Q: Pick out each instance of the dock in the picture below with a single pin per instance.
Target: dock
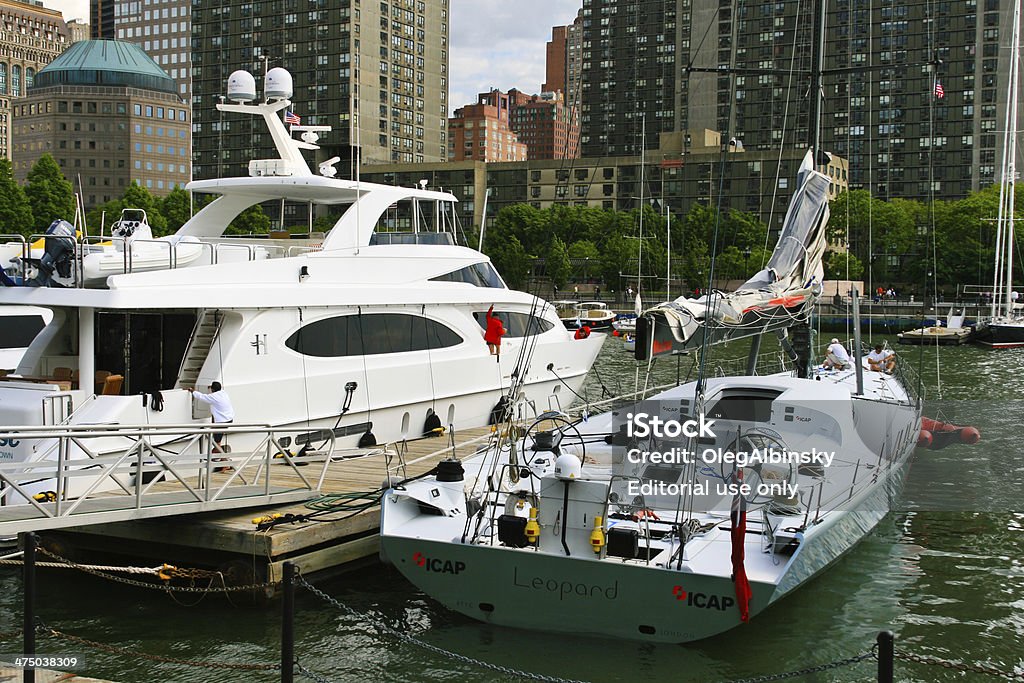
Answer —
(12, 673)
(230, 541)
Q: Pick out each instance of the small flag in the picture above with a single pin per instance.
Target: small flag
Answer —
(939, 91)
(292, 118)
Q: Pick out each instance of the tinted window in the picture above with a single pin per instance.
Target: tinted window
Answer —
(18, 331)
(478, 275)
(371, 334)
(517, 324)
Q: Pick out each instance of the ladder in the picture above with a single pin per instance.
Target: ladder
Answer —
(203, 335)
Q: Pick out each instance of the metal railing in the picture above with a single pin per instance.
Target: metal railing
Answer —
(106, 472)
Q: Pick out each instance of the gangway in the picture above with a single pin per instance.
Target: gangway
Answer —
(161, 470)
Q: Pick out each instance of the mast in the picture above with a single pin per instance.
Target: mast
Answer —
(640, 253)
(1011, 154)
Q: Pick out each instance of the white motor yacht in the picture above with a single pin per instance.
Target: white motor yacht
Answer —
(365, 334)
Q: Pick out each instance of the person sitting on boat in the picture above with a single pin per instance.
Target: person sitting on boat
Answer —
(221, 411)
(882, 360)
(495, 330)
(836, 357)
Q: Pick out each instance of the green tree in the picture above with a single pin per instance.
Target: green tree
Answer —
(842, 265)
(176, 208)
(15, 211)
(49, 193)
(252, 221)
(511, 260)
(557, 264)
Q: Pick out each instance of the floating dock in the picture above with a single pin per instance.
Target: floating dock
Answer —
(231, 542)
(12, 673)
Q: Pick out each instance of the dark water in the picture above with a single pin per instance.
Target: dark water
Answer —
(944, 572)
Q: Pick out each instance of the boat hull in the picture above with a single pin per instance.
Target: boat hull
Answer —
(1000, 335)
(571, 595)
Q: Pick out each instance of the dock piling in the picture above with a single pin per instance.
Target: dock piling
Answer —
(288, 625)
(29, 586)
(885, 642)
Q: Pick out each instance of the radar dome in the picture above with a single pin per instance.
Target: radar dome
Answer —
(241, 87)
(277, 84)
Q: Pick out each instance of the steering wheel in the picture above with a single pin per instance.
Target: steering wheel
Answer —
(555, 436)
(754, 475)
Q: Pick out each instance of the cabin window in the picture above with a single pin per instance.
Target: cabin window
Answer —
(20, 330)
(517, 324)
(371, 334)
(478, 275)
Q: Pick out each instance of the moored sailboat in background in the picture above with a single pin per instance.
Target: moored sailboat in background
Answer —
(1004, 328)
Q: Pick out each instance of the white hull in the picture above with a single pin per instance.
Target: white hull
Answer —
(561, 585)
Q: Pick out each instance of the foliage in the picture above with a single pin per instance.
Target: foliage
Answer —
(252, 221)
(176, 208)
(15, 212)
(511, 260)
(841, 265)
(50, 195)
(557, 263)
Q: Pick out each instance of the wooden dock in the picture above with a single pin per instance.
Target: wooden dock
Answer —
(14, 674)
(230, 541)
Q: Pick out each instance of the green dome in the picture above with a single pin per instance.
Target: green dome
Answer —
(105, 62)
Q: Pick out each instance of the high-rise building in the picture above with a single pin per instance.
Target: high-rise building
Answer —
(482, 131)
(30, 38)
(544, 124)
(554, 61)
(109, 115)
(881, 107)
(160, 27)
(376, 72)
(77, 30)
(101, 19)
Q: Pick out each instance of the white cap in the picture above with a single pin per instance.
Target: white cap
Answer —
(834, 340)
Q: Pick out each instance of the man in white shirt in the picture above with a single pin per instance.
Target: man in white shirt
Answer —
(881, 360)
(220, 409)
(836, 356)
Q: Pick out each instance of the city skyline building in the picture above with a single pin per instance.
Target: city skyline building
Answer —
(483, 132)
(544, 124)
(109, 115)
(377, 73)
(31, 36)
(664, 62)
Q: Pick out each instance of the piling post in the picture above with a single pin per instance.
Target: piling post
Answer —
(288, 625)
(28, 602)
(885, 642)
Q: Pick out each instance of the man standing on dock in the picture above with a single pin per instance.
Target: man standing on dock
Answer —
(220, 409)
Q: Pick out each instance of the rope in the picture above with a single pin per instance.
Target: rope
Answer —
(97, 567)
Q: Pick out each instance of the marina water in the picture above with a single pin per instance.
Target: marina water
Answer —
(944, 572)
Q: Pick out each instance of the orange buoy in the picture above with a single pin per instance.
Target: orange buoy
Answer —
(970, 435)
(924, 439)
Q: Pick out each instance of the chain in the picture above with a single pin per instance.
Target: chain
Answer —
(156, 658)
(172, 572)
(406, 638)
(849, 661)
(311, 674)
(958, 666)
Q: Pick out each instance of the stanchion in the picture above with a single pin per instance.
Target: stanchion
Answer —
(885, 656)
(287, 625)
(29, 605)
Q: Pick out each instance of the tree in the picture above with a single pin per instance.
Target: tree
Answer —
(511, 260)
(49, 193)
(558, 267)
(842, 265)
(176, 208)
(15, 211)
(250, 222)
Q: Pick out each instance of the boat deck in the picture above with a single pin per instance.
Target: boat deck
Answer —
(223, 539)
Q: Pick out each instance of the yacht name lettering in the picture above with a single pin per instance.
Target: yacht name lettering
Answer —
(643, 425)
(703, 600)
(564, 588)
(437, 565)
(12, 442)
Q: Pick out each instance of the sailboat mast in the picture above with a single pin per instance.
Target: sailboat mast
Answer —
(818, 52)
(640, 253)
(1011, 155)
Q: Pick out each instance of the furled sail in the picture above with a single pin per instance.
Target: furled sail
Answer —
(778, 296)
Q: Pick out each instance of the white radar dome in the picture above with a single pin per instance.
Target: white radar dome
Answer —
(277, 84)
(241, 87)
(568, 466)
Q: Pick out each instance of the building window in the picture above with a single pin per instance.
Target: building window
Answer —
(3, 79)
(16, 80)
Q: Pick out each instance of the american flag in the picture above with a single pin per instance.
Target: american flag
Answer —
(292, 118)
(939, 92)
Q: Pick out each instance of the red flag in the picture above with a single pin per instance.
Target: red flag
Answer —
(738, 516)
(939, 91)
